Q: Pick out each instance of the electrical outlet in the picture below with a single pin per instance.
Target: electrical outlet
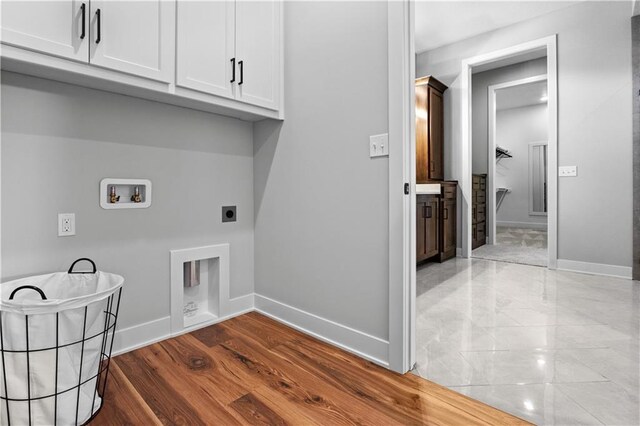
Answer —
(66, 224)
(379, 145)
(228, 213)
(568, 171)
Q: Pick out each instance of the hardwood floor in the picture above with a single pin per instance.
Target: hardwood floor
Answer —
(253, 370)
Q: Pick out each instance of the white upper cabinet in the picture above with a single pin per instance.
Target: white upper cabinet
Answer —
(206, 46)
(258, 52)
(231, 49)
(135, 37)
(220, 56)
(52, 27)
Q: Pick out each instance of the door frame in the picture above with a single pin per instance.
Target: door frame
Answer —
(465, 153)
(491, 147)
(402, 171)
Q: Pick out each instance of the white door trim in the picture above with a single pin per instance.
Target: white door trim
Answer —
(402, 225)
(465, 159)
(491, 147)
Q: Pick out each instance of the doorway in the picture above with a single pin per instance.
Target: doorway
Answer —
(545, 47)
(511, 224)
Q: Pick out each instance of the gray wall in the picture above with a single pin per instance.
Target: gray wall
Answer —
(480, 121)
(594, 118)
(516, 128)
(321, 204)
(59, 141)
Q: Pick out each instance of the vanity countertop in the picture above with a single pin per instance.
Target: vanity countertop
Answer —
(428, 189)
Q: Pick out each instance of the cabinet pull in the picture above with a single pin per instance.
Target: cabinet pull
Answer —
(446, 214)
(424, 212)
(98, 38)
(429, 212)
(241, 65)
(233, 70)
(83, 9)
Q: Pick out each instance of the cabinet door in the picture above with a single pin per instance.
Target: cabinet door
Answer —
(53, 27)
(448, 226)
(422, 134)
(420, 230)
(436, 135)
(136, 37)
(258, 52)
(432, 246)
(206, 46)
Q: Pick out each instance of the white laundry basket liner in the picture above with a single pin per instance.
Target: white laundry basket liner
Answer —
(56, 337)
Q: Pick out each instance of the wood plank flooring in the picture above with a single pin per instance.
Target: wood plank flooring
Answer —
(254, 370)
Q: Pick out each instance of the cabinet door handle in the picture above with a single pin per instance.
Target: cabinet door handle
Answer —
(233, 70)
(446, 214)
(424, 212)
(83, 9)
(429, 212)
(241, 65)
(98, 22)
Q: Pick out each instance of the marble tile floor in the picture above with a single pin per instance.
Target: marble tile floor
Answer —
(516, 245)
(521, 237)
(551, 347)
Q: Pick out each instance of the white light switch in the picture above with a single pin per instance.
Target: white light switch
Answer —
(379, 145)
(568, 171)
(66, 224)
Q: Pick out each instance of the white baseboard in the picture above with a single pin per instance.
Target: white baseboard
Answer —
(527, 225)
(595, 268)
(138, 336)
(239, 304)
(362, 344)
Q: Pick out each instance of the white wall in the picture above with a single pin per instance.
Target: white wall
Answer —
(594, 116)
(321, 204)
(516, 128)
(480, 120)
(59, 141)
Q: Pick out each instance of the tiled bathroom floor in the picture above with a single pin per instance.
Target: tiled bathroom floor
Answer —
(516, 245)
(551, 347)
(521, 237)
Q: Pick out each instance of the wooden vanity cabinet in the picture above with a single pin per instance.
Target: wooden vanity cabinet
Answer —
(436, 224)
(429, 129)
(427, 226)
(448, 219)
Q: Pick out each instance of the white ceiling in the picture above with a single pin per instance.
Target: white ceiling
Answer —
(439, 23)
(523, 95)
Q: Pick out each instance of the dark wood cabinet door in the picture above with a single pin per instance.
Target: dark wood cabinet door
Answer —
(448, 228)
(432, 246)
(421, 233)
(436, 135)
(479, 206)
(422, 134)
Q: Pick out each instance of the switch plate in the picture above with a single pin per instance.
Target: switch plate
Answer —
(568, 171)
(66, 224)
(379, 145)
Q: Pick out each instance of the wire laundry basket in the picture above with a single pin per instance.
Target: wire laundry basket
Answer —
(56, 338)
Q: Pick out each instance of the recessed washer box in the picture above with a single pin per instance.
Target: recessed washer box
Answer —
(125, 192)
